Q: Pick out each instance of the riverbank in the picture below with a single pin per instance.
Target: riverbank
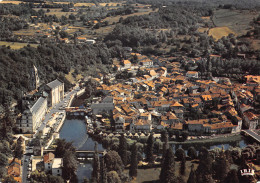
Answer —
(221, 139)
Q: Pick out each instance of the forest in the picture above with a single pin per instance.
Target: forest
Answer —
(52, 61)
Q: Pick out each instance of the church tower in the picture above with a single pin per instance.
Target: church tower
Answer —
(34, 78)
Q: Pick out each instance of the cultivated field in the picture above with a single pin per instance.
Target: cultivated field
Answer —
(141, 12)
(236, 20)
(219, 32)
(16, 45)
(11, 2)
(203, 29)
(59, 13)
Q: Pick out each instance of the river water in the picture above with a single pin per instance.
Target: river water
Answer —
(74, 131)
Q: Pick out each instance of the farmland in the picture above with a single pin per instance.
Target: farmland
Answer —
(16, 45)
(219, 32)
(236, 20)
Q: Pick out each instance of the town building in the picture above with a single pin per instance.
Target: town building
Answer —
(32, 117)
(55, 90)
(52, 165)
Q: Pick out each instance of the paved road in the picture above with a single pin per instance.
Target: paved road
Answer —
(55, 109)
(48, 116)
(26, 161)
(253, 134)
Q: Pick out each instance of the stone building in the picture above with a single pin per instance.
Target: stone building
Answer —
(55, 90)
(32, 116)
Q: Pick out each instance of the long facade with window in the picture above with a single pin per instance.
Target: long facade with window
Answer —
(32, 117)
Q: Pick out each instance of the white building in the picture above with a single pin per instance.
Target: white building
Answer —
(192, 74)
(57, 167)
(33, 116)
(52, 164)
(55, 90)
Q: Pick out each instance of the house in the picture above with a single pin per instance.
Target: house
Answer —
(55, 90)
(48, 161)
(90, 41)
(52, 164)
(14, 169)
(192, 74)
(32, 117)
(81, 39)
(146, 63)
(119, 122)
(102, 107)
(251, 120)
(57, 167)
(127, 64)
(141, 126)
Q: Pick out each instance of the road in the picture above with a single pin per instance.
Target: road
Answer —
(25, 167)
(48, 116)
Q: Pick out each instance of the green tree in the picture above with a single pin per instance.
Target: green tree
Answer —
(103, 171)
(134, 161)
(192, 176)
(113, 177)
(113, 162)
(221, 167)
(63, 147)
(204, 170)
(165, 145)
(232, 177)
(183, 166)
(167, 174)
(70, 165)
(180, 154)
(149, 149)
(96, 166)
(192, 153)
(18, 151)
(3, 160)
(122, 151)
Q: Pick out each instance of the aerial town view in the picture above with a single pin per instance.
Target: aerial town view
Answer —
(134, 91)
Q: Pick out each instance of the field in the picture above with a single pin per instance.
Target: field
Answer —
(203, 29)
(72, 79)
(141, 12)
(12, 2)
(16, 45)
(236, 20)
(256, 44)
(219, 32)
(59, 13)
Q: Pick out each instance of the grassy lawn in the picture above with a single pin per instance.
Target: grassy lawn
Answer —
(16, 45)
(152, 174)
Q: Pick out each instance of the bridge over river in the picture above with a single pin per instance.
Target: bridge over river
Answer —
(80, 153)
(251, 134)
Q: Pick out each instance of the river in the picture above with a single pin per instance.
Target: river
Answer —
(75, 131)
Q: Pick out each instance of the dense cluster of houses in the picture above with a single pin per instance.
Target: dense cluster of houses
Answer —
(166, 96)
